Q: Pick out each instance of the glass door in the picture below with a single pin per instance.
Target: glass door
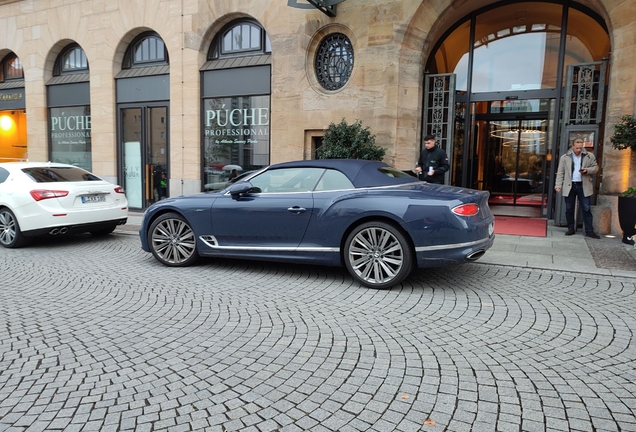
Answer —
(144, 154)
(516, 164)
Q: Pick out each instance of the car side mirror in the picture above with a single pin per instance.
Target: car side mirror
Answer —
(242, 188)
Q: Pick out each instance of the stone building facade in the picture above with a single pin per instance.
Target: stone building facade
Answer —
(397, 46)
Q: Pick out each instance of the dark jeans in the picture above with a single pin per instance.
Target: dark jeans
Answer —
(584, 202)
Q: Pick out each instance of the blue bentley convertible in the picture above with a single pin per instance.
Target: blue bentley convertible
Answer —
(374, 219)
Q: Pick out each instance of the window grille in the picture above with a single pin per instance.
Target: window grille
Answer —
(334, 61)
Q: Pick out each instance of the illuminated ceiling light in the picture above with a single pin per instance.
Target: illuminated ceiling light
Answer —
(526, 135)
(6, 123)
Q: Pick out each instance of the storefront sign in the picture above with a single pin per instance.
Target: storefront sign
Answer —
(236, 130)
(71, 135)
(71, 122)
(70, 126)
(10, 97)
(237, 125)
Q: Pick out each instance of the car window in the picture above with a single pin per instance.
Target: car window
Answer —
(334, 180)
(241, 177)
(287, 180)
(59, 174)
(394, 173)
(4, 174)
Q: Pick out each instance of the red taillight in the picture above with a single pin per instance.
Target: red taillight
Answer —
(42, 194)
(119, 189)
(466, 210)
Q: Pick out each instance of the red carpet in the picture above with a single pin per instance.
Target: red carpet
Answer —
(531, 227)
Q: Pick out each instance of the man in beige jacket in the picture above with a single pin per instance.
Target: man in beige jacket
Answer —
(574, 177)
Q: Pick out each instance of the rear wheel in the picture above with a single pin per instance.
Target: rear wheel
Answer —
(378, 255)
(10, 234)
(172, 241)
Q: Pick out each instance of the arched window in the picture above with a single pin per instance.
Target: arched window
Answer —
(147, 49)
(71, 60)
(11, 68)
(516, 46)
(240, 39)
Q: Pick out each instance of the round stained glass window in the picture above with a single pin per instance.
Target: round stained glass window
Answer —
(334, 61)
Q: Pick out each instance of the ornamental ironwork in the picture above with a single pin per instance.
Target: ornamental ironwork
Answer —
(334, 61)
(438, 108)
(438, 118)
(439, 105)
(585, 92)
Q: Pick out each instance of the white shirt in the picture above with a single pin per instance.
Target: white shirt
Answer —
(576, 175)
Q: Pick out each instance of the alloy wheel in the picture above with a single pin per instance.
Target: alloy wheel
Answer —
(378, 255)
(8, 228)
(173, 242)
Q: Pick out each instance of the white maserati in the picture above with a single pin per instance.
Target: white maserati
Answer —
(45, 198)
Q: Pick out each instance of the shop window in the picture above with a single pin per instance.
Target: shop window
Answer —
(70, 129)
(236, 133)
(11, 68)
(240, 39)
(334, 61)
(147, 49)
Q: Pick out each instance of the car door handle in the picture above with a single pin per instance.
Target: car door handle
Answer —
(297, 210)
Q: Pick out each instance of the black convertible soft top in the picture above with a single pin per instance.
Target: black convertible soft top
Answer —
(362, 173)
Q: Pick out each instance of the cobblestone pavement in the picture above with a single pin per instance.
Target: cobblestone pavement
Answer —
(96, 335)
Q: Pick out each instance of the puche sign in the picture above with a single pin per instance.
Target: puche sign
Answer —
(236, 125)
(71, 136)
(71, 129)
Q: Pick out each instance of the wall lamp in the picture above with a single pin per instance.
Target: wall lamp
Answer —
(6, 123)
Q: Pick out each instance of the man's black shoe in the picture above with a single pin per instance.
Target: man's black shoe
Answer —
(592, 234)
(569, 232)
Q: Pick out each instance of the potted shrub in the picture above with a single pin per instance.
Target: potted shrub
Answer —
(624, 137)
(349, 141)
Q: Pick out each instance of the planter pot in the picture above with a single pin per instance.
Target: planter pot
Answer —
(627, 217)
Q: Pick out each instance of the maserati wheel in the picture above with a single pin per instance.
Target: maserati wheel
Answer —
(378, 255)
(10, 234)
(172, 241)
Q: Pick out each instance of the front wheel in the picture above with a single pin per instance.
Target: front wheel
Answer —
(378, 255)
(10, 234)
(172, 241)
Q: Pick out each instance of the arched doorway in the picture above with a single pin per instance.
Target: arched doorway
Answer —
(495, 87)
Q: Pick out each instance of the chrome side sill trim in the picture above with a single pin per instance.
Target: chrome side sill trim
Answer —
(211, 242)
(450, 246)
